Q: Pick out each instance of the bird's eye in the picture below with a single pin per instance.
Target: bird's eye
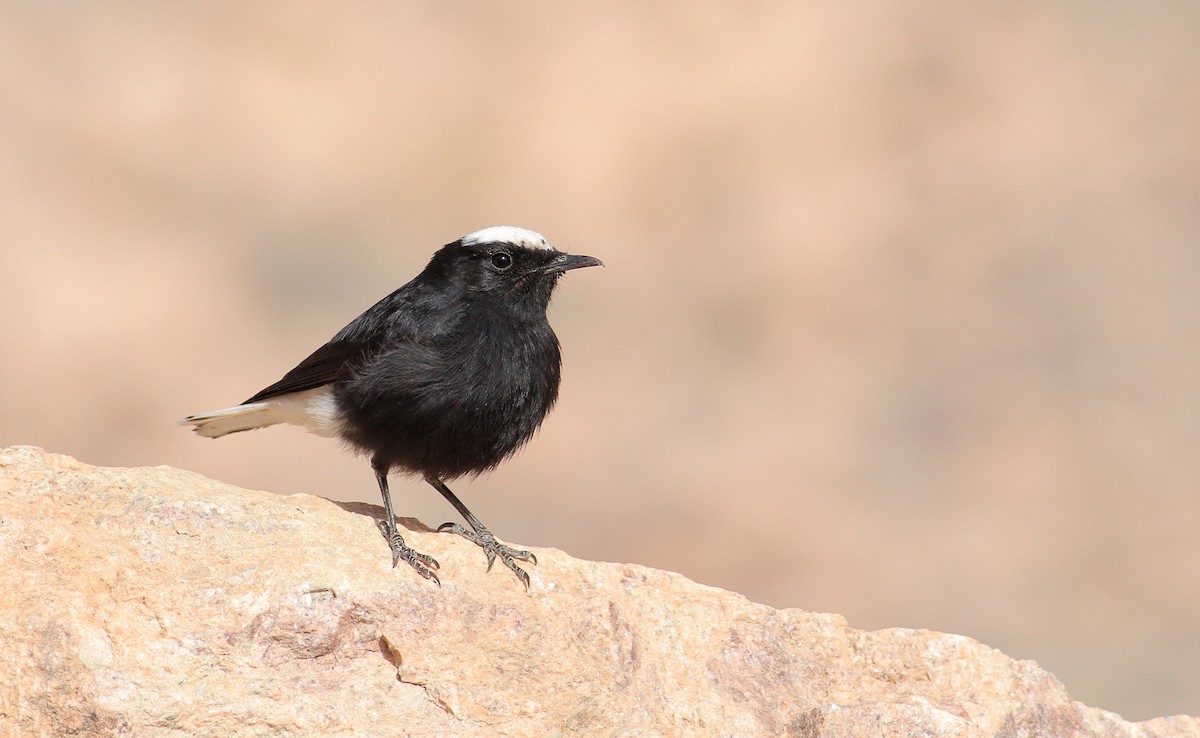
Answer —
(502, 260)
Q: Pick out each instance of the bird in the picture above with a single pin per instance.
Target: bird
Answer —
(446, 377)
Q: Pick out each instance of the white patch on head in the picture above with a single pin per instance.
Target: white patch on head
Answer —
(519, 237)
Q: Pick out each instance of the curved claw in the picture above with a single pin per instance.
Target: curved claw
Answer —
(424, 564)
(494, 549)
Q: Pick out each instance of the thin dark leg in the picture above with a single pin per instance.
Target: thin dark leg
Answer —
(482, 537)
(423, 563)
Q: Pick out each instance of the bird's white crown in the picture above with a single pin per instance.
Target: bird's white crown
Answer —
(519, 237)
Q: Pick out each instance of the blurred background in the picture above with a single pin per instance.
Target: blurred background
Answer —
(901, 317)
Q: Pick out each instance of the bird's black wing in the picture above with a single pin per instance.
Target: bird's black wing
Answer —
(322, 366)
(391, 321)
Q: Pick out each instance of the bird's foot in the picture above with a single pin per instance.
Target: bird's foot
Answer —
(423, 563)
(494, 549)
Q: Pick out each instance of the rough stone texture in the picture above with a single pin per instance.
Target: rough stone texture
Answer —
(156, 602)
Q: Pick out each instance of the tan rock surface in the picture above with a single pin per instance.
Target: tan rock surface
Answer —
(156, 602)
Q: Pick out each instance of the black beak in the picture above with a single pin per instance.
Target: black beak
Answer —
(572, 261)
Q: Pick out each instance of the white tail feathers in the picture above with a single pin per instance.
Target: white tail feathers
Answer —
(313, 410)
(231, 420)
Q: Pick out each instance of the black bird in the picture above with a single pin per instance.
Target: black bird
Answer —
(447, 376)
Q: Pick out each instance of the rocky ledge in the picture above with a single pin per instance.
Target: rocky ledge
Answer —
(156, 602)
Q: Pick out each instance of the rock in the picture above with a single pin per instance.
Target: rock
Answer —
(155, 602)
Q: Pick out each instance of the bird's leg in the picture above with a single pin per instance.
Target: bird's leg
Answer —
(423, 563)
(482, 536)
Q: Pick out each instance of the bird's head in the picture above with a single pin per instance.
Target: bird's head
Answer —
(513, 264)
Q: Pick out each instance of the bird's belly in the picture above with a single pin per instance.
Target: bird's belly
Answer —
(452, 418)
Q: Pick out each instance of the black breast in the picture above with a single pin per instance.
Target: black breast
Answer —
(455, 404)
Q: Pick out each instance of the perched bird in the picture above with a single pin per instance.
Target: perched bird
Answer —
(447, 376)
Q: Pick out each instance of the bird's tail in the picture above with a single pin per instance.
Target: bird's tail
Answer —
(314, 410)
(233, 419)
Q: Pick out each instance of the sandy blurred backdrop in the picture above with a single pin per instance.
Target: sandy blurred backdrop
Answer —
(901, 318)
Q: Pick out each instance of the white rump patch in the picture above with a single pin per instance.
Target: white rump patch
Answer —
(519, 237)
(314, 410)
